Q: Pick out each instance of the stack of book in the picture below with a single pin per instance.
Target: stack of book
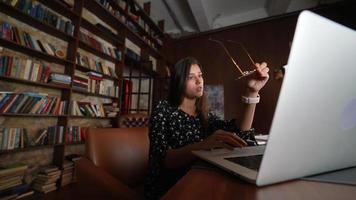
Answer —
(36, 10)
(12, 33)
(13, 138)
(46, 180)
(111, 109)
(108, 88)
(31, 103)
(98, 85)
(73, 158)
(67, 172)
(81, 81)
(87, 109)
(11, 184)
(12, 175)
(95, 83)
(25, 69)
(60, 79)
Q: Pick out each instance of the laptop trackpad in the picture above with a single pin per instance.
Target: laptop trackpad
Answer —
(251, 162)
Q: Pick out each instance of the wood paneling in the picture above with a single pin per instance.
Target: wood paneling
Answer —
(266, 40)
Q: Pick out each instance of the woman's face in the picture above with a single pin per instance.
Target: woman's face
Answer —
(195, 82)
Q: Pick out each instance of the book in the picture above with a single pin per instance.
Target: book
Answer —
(25, 194)
(13, 169)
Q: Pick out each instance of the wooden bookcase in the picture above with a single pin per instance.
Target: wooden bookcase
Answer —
(150, 43)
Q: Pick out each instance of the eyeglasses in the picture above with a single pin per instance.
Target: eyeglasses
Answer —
(243, 73)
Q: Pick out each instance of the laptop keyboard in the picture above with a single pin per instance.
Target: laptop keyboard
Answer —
(251, 162)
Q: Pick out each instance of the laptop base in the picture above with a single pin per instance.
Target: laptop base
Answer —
(344, 176)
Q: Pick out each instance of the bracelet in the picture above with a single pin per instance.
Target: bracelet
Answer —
(250, 100)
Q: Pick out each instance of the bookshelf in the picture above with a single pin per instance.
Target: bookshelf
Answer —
(87, 61)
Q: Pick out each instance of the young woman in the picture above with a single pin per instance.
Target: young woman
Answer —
(183, 123)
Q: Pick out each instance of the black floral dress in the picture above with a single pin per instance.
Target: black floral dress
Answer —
(172, 128)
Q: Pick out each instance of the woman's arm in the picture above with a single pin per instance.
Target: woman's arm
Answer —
(248, 113)
(254, 85)
(180, 157)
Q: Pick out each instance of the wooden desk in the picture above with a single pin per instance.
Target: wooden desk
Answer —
(205, 184)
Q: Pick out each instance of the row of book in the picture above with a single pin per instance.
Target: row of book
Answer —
(87, 109)
(95, 64)
(93, 42)
(94, 83)
(28, 69)
(23, 68)
(13, 138)
(131, 10)
(135, 16)
(54, 135)
(12, 33)
(51, 135)
(132, 55)
(68, 3)
(12, 185)
(38, 11)
(31, 103)
(75, 134)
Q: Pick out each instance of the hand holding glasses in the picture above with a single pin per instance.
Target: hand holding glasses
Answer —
(243, 73)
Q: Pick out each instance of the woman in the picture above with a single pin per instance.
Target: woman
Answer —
(182, 124)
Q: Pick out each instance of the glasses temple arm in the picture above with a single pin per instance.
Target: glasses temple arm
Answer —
(227, 52)
(243, 47)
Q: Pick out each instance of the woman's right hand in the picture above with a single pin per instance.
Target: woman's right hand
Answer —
(222, 139)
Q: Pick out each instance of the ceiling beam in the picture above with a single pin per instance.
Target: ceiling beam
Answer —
(173, 15)
(276, 7)
(199, 13)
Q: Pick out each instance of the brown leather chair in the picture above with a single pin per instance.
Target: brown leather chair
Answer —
(115, 163)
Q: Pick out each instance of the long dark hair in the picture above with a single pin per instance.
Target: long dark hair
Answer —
(179, 76)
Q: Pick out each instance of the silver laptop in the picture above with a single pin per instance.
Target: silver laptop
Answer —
(314, 125)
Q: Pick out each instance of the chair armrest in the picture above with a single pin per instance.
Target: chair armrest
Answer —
(91, 176)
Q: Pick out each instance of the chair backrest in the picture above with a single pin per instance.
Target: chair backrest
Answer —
(122, 152)
(134, 120)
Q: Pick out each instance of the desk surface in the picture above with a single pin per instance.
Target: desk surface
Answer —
(216, 184)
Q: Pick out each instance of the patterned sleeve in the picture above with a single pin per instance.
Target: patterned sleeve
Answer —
(158, 131)
(158, 147)
(215, 123)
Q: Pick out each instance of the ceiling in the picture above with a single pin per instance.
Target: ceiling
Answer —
(184, 17)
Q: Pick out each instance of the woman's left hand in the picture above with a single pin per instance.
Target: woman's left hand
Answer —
(258, 80)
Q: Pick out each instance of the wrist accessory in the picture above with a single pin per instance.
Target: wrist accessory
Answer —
(250, 100)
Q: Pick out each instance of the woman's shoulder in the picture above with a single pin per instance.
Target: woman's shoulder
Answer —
(163, 106)
(162, 103)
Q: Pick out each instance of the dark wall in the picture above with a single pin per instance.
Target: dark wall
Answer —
(266, 40)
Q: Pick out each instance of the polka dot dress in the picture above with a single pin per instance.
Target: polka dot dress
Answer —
(172, 128)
